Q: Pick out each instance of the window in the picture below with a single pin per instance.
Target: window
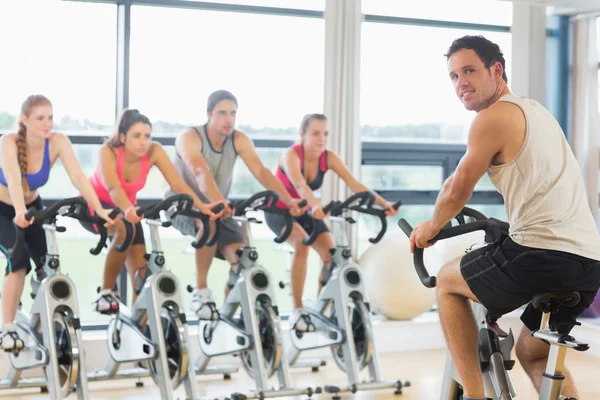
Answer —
(402, 177)
(493, 12)
(318, 5)
(406, 94)
(70, 58)
(272, 64)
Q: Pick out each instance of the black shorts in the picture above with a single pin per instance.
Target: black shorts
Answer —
(138, 236)
(35, 239)
(277, 222)
(505, 275)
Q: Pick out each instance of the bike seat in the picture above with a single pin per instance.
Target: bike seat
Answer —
(548, 302)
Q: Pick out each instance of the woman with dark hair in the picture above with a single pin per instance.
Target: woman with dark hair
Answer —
(26, 158)
(301, 170)
(125, 161)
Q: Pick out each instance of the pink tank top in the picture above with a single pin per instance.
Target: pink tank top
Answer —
(131, 188)
(314, 185)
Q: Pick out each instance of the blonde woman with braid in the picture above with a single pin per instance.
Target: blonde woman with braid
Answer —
(26, 158)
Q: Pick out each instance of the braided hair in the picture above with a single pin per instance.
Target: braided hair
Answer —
(28, 105)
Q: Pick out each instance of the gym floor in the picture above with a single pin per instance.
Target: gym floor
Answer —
(424, 369)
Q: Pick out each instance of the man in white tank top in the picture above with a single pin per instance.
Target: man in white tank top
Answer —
(553, 244)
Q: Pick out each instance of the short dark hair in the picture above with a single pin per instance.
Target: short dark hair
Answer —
(488, 51)
(310, 117)
(218, 96)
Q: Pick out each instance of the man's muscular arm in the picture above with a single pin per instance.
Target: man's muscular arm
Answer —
(489, 133)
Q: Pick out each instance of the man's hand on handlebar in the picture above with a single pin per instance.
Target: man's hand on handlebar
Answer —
(422, 234)
(227, 211)
(207, 209)
(296, 209)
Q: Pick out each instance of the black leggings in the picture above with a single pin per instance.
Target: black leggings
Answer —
(35, 239)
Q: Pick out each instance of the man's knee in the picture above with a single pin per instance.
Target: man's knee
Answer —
(450, 281)
(529, 349)
(448, 276)
(231, 252)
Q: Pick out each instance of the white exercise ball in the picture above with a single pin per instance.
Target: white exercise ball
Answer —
(392, 284)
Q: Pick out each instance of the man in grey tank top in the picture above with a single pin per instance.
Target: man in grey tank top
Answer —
(553, 244)
(205, 158)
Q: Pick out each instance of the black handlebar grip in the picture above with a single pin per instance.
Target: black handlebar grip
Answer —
(491, 229)
(201, 241)
(289, 222)
(122, 247)
(268, 197)
(19, 242)
(218, 208)
(102, 231)
(213, 239)
(427, 280)
(330, 206)
(469, 212)
(383, 219)
(29, 214)
(289, 226)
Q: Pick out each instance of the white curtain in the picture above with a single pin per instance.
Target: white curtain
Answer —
(585, 120)
(342, 93)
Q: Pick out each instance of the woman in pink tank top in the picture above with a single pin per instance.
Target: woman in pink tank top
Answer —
(125, 161)
(301, 170)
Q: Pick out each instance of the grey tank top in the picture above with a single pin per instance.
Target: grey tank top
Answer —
(220, 164)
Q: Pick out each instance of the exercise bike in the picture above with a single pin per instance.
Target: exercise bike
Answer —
(341, 312)
(494, 351)
(255, 333)
(51, 333)
(154, 330)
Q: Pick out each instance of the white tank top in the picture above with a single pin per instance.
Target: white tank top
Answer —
(543, 189)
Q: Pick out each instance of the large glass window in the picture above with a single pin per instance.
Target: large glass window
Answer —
(273, 64)
(70, 58)
(406, 94)
(244, 183)
(317, 5)
(402, 177)
(493, 12)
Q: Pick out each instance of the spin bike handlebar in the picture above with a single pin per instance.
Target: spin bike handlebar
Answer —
(180, 204)
(315, 231)
(74, 207)
(492, 228)
(361, 202)
(266, 201)
(204, 240)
